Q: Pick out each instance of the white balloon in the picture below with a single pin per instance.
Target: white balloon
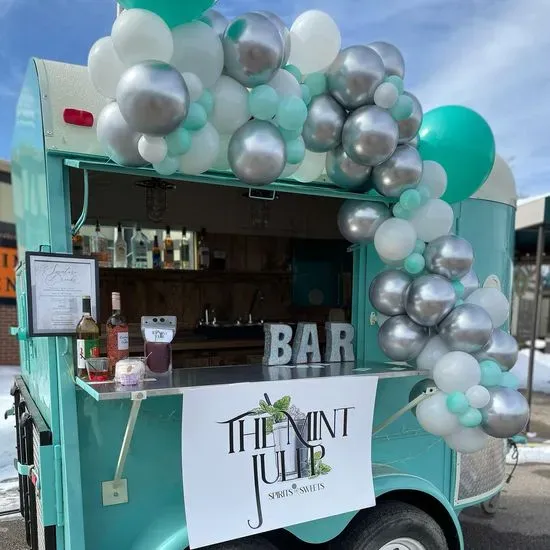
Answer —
(311, 167)
(198, 50)
(467, 440)
(478, 396)
(434, 179)
(205, 144)
(105, 67)
(314, 41)
(395, 239)
(141, 35)
(432, 220)
(194, 85)
(285, 84)
(456, 371)
(432, 352)
(152, 149)
(493, 302)
(230, 105)
(289, 170)
(434, 416)
(386, 95)
(222, 163)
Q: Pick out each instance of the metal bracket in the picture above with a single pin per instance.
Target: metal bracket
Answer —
(400, 413)
(9, 412)
(23, 469)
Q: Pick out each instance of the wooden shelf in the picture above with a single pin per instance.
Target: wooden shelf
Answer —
(190, 274)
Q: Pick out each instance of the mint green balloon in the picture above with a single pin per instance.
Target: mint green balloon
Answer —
(457, 402)
(397, 82)
(471, 418)
(462, 142)
(167, 167)
(420, 246)
(207, 101)
(173, 12)
(196, 117)
(306, 93)
(317, 83)
(179, 142)
(425, 195)
(294, 71)
(399, 212)
(289, 135)
(263, 102)
(410, 199)
(509, 380)
(491, 375)
(459, 288)
(403, 108)
(292, 113)
(414, 263)
(295, 151)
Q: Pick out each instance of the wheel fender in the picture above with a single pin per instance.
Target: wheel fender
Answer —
(167, 532)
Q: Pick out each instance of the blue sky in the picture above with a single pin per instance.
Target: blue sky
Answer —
(491, 55)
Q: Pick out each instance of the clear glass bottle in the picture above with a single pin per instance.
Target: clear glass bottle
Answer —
(168, 250)
(121, 249)
(117, 334)
(204, 251)
(157, 256)
(185, 250)
(140, 246)
(99, 247)
(87, 338)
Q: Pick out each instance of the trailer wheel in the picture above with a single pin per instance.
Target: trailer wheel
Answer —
(249, 543)
(392, 525)
(490, 507)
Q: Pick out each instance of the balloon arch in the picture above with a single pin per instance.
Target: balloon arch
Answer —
(191, 91)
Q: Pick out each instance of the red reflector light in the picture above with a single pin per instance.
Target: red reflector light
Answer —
(77, 117)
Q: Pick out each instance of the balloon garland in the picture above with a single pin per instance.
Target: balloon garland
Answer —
(190, 91)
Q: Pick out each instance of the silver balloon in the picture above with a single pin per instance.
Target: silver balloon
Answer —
(359, 220)
(370, 135)
(253, 49)
(502, 348)
(283, 30)
(429, 299)
(467, 328)
(450, 256)
(257, 153)
(400, 172)
(215, 20)
(119, 141)
(322, 130)
(415, 141)
(470, 282)
(506, 414)
(391, 57)
(153, 98)
(401, 339)
(408, 128)
(388, 290)
(354, 75)
(345, 173)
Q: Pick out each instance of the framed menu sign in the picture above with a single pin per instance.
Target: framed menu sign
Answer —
(56, 284)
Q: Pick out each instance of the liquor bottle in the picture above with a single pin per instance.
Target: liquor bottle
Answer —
(121, 249)
(204, 251)
(168, 250)
(157, 260)
(99, 247)
(117, 334)
(185, 250)
(140, 244)
(78, 244)
(87, 338)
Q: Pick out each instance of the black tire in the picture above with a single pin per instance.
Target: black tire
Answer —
(390, 520)
(249, 543)
(490, 507)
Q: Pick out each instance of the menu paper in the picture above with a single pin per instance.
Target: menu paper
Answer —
(55, 287)
(275, 454)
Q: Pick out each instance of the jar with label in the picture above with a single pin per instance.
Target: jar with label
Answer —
(117, 334)
(158, 333)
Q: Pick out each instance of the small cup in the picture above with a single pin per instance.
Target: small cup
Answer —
(98, 369)
(130, 371)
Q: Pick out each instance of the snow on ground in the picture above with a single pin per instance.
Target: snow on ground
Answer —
(541, 375)
(9, 495)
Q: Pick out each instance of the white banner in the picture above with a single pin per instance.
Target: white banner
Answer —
(248, 450)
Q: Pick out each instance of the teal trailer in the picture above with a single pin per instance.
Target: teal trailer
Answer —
(102, 469)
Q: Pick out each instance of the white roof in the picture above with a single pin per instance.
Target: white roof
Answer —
(530, 211)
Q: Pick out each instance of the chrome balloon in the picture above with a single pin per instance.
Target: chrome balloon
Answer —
(387, 291)
(216, 20)
(253, 49)
(467, 328)
(370, 135)
(391, 57)
(470, 282)
(346, 173)
(450, 256)
(359, 220)
(153, 98)
(414, 141)
(118, 140)
(354, 75)
(502, 348)
(401, 339)
(257, 153)
(506, 414)
(408, 128)
(322, 130)
(283, 30)
(429, 299)
(400, 172)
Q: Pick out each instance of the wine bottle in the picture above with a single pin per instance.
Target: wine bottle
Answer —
(117, 334)
(204, 252)
(185, 250)
(87, 338)
(168, 250)
(157, 259)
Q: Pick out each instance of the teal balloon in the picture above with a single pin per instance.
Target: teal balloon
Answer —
(399, 212)
(289, 135)
(459, 288)
(295, 151)
(179, 142)
(403, 108)
(509, 380)
(306, 93)
(397, 82)
(491, 375)
(414, 263)
(425, 195)
(263, 102)
(207, 101)
(317, 83)
(294, 71)
(410, 199)
(420, 246)
(167, 167)
(173, 12)
(196, 117)
(292, 113)
(471, 418)
(457, 402)
(463, 143)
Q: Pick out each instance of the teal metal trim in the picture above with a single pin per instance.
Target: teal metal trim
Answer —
(48, 489)
(58, 484)
(23, 469)
(84, 214)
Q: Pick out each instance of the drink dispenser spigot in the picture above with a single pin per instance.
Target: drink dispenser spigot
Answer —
(158, 333)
